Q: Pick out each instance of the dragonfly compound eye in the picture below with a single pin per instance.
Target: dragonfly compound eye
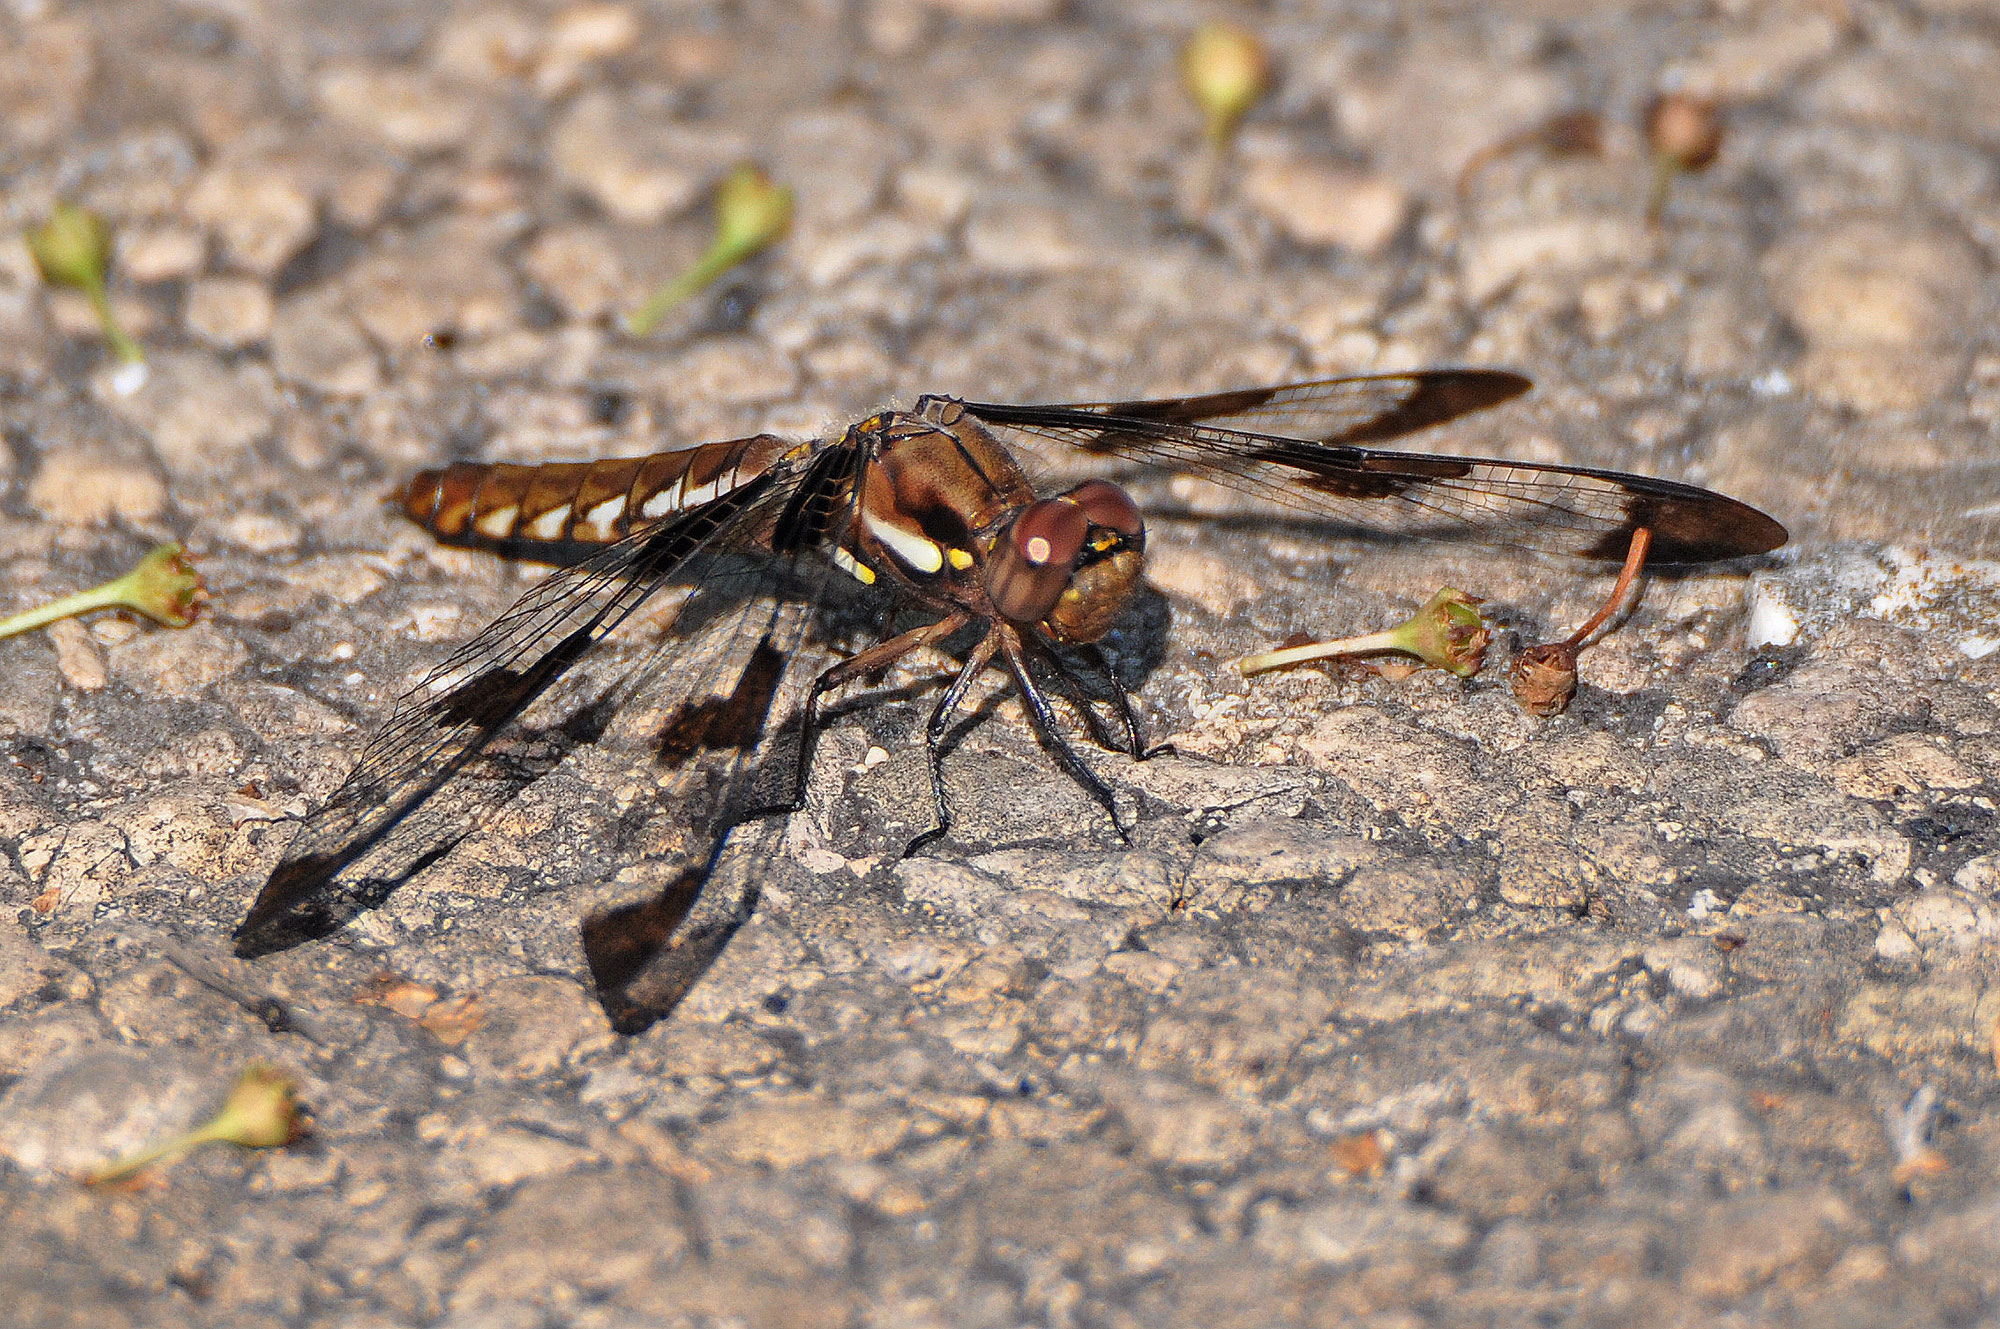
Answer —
(1031, 566)
(1106, 571)
(1108, 507)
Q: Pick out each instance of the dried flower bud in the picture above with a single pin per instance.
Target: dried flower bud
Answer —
(1685, 134)
(750, 212)
(1685, 129)
(262, 1112)
(1226, 70)
(1447, 633)
(163, 586)
(73, 249)
(1544, 678)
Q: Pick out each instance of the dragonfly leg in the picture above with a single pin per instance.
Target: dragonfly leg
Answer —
(1100, 732)
(1135, 746)
(947, 706)
(873, 660)
(1043, 717)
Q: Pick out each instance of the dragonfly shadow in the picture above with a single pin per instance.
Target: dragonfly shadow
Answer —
(645, 957)
(721, 753)
(733, 756)
(738, 722)
(646, 951)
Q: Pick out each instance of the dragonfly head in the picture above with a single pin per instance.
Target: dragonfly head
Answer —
(1069, 562)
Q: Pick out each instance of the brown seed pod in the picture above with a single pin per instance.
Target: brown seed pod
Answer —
(1544, 678)
(1684, 129)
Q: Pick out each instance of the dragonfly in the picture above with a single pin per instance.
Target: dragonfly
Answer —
(721, 550)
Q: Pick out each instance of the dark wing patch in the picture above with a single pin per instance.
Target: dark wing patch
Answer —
(1689, 525)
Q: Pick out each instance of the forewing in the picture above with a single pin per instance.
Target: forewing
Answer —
(476, 696)
(1298, 446)
(1372, 408)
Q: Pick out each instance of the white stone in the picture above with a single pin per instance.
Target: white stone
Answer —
(1324, 204)
(229, 312)
(407, 110)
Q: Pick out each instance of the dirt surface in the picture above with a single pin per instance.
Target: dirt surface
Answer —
(1398, 1007)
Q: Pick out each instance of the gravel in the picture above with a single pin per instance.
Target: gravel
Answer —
(1391, 1006)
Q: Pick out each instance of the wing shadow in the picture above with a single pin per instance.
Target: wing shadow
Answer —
(465, 802)
(724, 753)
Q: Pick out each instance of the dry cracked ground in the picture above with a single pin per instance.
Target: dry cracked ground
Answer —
(1397, 1008)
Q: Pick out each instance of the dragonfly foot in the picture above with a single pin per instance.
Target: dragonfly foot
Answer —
(923, 841)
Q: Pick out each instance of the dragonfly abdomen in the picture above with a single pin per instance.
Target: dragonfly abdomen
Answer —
(499, 505)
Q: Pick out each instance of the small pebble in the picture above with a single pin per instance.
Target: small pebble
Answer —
(406, 110)
(82, 487)
(315, 342)
(160, 253)
(633, 160)
(1322, 204)
(229, 312)
(77, 655)
(259, 216)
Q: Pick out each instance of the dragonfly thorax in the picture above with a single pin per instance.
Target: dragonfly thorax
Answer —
(932, 498)
(946, 507)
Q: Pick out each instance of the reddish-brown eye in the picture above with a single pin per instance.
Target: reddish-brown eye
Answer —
(1031, 567)
(1106, 505)
(1051, 531)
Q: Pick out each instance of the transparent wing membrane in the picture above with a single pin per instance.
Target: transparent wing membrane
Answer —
(486, 688)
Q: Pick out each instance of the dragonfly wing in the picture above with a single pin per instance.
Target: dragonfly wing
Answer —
(1318, 466)
(369, 830)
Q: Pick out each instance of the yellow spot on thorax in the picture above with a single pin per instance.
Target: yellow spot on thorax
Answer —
(853, 566)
